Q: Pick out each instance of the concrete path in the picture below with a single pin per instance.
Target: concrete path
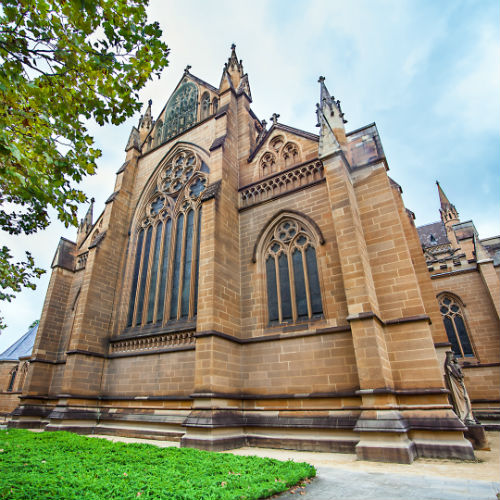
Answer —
(342, 476)
(333, 484)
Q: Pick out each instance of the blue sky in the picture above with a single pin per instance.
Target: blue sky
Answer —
(427, 72)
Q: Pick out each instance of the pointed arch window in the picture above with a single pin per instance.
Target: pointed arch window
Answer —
(205, 106)
(455, 326)
(12, 379)
(292, 279)
(159, 133)
(164, 281)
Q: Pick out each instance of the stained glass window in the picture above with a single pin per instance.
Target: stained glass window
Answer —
(293, 289)
(164, 282)
(154, 273)
(177, 267)
(135, 277)
(454, 325)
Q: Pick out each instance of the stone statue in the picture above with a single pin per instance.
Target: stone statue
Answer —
(460, 398)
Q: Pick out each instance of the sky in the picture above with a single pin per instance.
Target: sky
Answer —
(426, 72)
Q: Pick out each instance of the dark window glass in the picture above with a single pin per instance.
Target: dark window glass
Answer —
(144, 275)
(177, 267)
(286, 304)
(154, 273)
(462, 335)
(197, 264)
(164, 271)
(188, 254)
(450, 331)
(135, 278)
(12, 380)
(314, 289)
(272, 295)
(300, 284)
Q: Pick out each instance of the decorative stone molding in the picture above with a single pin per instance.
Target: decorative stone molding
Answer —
(290, 179)
(152, 342)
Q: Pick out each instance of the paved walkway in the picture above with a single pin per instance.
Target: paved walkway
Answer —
(342, 476)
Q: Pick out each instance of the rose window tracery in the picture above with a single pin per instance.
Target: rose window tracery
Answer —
(164, 281)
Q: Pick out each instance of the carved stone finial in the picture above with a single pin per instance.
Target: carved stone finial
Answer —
(92, 200)
(187, 68)
(150, 102)
(274, 118)
(321, 79)
(264, 124)
(233, 46)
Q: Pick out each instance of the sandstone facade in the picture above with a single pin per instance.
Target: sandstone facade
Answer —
(254, 285)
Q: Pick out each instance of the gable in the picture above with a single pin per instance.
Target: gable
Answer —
(281, 148)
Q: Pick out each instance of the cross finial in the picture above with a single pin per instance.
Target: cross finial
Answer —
(233, 46)
(274, 118)
(186, 70)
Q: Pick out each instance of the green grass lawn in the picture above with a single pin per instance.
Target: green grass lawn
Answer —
(63, 466)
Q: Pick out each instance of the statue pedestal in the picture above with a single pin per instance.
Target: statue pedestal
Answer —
(476, 435)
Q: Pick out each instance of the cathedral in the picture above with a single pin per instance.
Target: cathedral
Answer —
(253, 284)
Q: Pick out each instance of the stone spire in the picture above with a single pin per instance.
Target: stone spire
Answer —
(146, 122)
(331, 121)
(449, 214)
(233, 72)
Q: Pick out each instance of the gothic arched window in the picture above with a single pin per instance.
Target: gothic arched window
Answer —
(181, 110)
(205, 106)
(293, 289)
(159, 133)
(454, 323)
(12, 379)
(164, 282)
(215, 105)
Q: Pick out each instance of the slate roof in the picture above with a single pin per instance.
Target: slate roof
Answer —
(433, 234)
(22, 347)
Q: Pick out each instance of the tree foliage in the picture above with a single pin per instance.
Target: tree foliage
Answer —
(63, 63)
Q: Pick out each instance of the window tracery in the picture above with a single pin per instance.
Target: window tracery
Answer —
(279, 152)
(268, 163)
(164, 283)
(290, 153)
(181, 111)
(293, 289)
(454, 323)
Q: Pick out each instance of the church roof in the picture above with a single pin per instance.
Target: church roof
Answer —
(22, 347)
(433, 234)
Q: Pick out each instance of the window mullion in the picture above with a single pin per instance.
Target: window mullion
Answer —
(194, 260)
(170, 270)
(159, 270)
(149, 267)
(141, 265)
(452, 318)
(306, 283)
(181, 270)
(278, 287)
(291, 277)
